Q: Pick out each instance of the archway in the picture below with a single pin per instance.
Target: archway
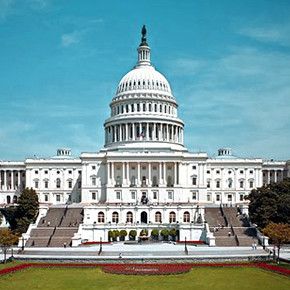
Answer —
(144, 217)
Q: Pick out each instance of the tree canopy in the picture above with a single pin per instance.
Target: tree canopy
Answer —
(7, 239)
(270, 203)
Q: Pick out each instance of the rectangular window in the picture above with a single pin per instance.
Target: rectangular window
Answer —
(194, 167)
(193, 180)
(208, 184)
(241, 171)
(58, 197)
(154, 194)
(45, 197)
(133, 194)
(241, 184)
(45, 172)
(36, 184)
(218, 197)
(217, 172)
(36, 171)
(208, 171)
(70, 184)
(93, 167)
(118, 194)
(251, 171)
(218, 184)
(94, 181)
(241, 197)
(208, 197)
(194, 195)
(251, 184)
(45, 184)
(230, 197)
(69, 172)
(170, 195)
(93, 196)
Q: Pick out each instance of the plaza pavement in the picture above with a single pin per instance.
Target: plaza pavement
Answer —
(143, 252)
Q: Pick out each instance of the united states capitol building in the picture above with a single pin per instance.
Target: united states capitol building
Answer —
(143, 177)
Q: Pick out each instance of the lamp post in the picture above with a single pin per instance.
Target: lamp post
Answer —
(101, 248)
(185, 247)
(22, 249)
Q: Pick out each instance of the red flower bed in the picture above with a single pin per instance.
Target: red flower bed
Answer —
(95, 243)
(143, 269)
(192, 242)
(147, 269)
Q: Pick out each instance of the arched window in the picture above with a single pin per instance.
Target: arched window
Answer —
(172, 217)
(129, 217)
(132, 108)
(58, 183)
(186, 217)
(158, 217)
(155, 108)
(8, 199)
(14, 199)
(101, 217)
(115, 217)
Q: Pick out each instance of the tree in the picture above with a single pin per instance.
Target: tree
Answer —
(155, 234)
(164, 234)
(279, 234)
(173, 234)
(144, 232)
(123, 234)
(7, 239)
(133, 234)
(112, 235)
(270, 203)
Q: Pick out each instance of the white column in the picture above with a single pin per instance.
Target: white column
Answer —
(5, 179)
(12, 180)
(160, 172)
(149, 174)
(115, 133)
(154, 132)
(269, 177)
(140, 129)
(138, 174)
(275, 175)
(126, 132)
(108, 172)
(123, 173)
(167, 132)
(113, 173)
(181, 136)
(164, 173)
(128, 175)
(175, 174)
(147, 131)
(178, 170)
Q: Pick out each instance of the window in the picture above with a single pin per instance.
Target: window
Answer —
(118, 194)
(208, 184)
(155, 193)
(133, 194)
(251, 183)
(230, 197)
(194, 167)
(58, 172)
(69, 184)
(154, 183)
(208, 171)
(46, 197)
(101, 217)
(193, 195)
(45, 172)
(172, 217)
(69, 172)
(45, 184)
(93, 180)
(143, 183)
(218, 184)
(217, 172)
(36, 184)
(208, 197)
(93, 196)
(218, 197)
(133, 181)
(129, 217)
(36, 171)
(241, 171)
(58, 197)
(170, 195)
(115, 217)
(241, 184)
(93, 167)
(186, 217)
(241, 197)
(230, 172)
(158, 217)
(58, 183)
(194, 180)
(251, 171)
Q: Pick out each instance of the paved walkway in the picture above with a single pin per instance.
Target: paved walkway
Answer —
(145, 251)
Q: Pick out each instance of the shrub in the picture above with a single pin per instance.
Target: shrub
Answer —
(144, 232)
(132, 234)
(164, 234)
(173, 234)
(155, 234)
(123, 234)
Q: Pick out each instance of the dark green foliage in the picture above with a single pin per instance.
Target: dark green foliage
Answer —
(133, 234)
(164, 234)
(25, 213)
(144, 232)
(155, 233)
(123, 233)
(270, 203)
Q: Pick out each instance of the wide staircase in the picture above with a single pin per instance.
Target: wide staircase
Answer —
(229, 227)
(57, 228)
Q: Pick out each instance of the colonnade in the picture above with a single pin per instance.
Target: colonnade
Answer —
(143, 173)
(11, 179)
(272, 175)
(144, 131)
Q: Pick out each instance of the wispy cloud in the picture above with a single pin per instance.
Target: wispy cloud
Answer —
(271, 34)
(71, 38)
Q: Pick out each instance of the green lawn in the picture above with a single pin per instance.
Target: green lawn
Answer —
(198, 278)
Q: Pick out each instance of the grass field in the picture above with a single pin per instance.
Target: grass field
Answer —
(93, 278)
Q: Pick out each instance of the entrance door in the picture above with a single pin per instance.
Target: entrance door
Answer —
(143, 217)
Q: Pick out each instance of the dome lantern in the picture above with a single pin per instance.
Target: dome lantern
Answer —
(143, 50)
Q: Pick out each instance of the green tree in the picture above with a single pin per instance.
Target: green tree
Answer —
(164, 234)
(123, 234)
(112, 235)
(279, 234)
(144, 232)
(133, 234)
(173, 234)
(155, 234)
(7, 239)
(270, 203)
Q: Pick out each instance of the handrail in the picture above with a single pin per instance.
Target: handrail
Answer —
(224, 216)
(49, 240)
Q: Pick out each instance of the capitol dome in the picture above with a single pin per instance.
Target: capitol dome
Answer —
(144, 111)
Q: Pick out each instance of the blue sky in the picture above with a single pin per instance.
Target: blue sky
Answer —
(228, 63)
